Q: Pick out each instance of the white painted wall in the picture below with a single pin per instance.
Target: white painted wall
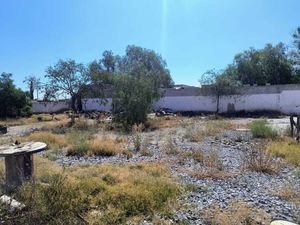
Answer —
(290, 102)
(187, 103)
(49, 107)
(94, 104)
(287, 101)
(250, 103)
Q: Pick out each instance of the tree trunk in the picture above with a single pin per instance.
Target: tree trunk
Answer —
(79, 102)
(218, 102)
(73, 102)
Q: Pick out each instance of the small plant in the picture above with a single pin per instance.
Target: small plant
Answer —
(105, 147)
(136, 136)
(197, 156)
(236, 214)
(261, 129)
(289, 193)
(169, 147)
(78, 143)
(258, 160)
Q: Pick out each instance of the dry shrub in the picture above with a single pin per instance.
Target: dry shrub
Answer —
(212, 168)
(197, 156)
(197, 132)
(287, 149)
(169, 146)
(289, 193)
(238, 213)
(136, 136)
(105, 147)
(257, 159)
(53, 141)
(165, 122)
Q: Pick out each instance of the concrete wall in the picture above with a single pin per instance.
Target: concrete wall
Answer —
(281, 98)
(187, 103)
(50, 107)
(94, 104)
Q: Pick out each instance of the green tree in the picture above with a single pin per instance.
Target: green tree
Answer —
(218, 84)
(137, 58)
(268, 65)
(34, 84)
(67, 77)
(295, 55)
(14, 102)
(132, 98)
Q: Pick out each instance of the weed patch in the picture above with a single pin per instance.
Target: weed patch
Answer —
(287, 149)
(196, 133)
(261, 129)
(106, 194)
(237, 213)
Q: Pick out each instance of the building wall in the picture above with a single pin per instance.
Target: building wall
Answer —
(187, 103)
(50, 107)
(95, 104)
(281, 98)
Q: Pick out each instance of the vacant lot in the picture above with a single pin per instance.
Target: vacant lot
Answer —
(174, 170)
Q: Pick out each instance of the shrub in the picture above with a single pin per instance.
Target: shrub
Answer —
(236, 214)
(170, 147)
(258, 160)
(78, 143)
(198, 156)
(136, 136)
(261, 129)
(105, 147)
(287, 149)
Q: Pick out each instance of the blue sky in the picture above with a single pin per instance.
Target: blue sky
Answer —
(192, 35)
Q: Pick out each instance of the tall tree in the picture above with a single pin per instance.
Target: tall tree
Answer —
(67, 77)
(14, 102)
(137, 58)
(34, 84)
(295, 55)
(268, 65)
(109, 61)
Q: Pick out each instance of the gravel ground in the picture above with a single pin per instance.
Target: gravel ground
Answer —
(256, 189)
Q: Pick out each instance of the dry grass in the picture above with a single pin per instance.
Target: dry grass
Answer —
(105, 147)
(53, 141)
(169, 146)
(33, 119)
(238, 213)
(166, 122)
(100, 194)
(197, 156)
(212, 167)
(259, 160)
(198, 132)
(289, 193)
(287, 149)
